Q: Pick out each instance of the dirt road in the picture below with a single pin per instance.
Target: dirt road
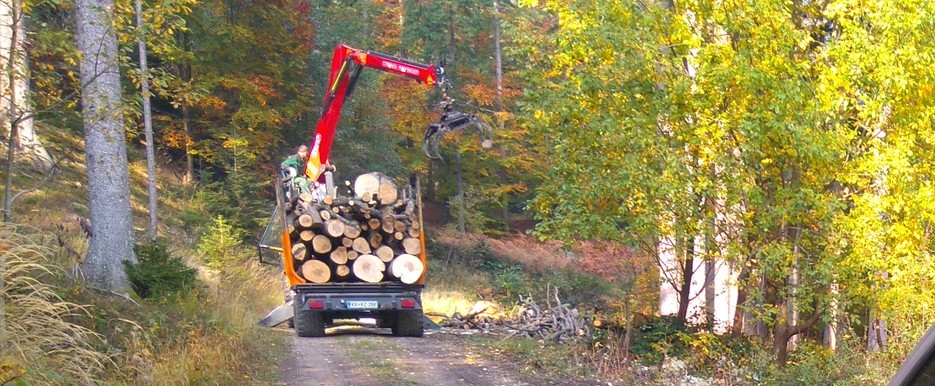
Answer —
(356, 356)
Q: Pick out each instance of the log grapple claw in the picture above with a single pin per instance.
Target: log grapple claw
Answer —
(453, 120)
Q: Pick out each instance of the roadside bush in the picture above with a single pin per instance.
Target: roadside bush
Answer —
(219, 242)
(658, 338)
(578, 288)
(158, 272)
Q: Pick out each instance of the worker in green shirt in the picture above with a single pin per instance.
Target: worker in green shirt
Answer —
(294, 169)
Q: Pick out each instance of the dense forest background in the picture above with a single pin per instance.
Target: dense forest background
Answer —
(790, 139)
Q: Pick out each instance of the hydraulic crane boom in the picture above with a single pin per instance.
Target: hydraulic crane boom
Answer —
(346, 66)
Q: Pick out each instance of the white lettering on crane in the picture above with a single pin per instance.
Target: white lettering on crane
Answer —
(400, 68)
(316, 145)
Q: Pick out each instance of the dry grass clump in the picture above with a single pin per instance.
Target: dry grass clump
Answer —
(35, 331)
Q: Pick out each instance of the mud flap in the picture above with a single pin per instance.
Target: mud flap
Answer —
(429, 324)
(277, 316)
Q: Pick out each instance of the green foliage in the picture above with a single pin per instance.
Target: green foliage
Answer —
(788, 141)
(218, 246)
(158, 272)
(509, 280)
(658, 338)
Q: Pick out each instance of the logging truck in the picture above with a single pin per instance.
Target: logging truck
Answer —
(356, 251)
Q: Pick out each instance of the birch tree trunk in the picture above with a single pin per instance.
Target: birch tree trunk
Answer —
(105, 147)
(498, 63)
(147, 123)
(15, 109)
(15, 83)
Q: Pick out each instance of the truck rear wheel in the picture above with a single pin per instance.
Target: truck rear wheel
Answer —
(409, 323)
(308, 323)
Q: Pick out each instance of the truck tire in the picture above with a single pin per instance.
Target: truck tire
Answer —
(409, 323)
(308, 323)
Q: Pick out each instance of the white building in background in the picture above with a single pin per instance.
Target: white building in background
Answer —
(723, 281)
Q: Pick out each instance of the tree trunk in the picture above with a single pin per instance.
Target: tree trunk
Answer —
(147, 124)
(830, 336)
(686, 285)
(105, 147)
(460, 193)
(498, 71)
(14, 103)
(736, 330)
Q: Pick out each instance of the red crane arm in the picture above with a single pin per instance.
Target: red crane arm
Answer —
(346, 65)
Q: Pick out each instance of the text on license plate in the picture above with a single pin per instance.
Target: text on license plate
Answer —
(356, 304)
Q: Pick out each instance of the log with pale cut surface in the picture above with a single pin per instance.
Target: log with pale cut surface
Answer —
(413, 232)
(347, 242)
(399, 226)
(321, 244)
(342, 271)
(385, 253)
(304, 221)
(374, 223)
(361, 245)
(325, 214)
(388, 223)
(307, 235)
(339, 255)
(316, 271)
(412, 245)
(334, 228)
(398, 236)
(299, 252)
(352, 230)
(407, 268)
(352, 255)
(375, 239)
(369, 268)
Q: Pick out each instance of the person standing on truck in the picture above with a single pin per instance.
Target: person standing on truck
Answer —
(292, 167)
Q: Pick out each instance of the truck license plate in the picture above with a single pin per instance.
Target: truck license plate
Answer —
(354, 304)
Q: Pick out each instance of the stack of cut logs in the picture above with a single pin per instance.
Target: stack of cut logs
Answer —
(551, 322)
(372, 235)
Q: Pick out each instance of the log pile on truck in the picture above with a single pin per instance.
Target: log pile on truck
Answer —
(371, 235)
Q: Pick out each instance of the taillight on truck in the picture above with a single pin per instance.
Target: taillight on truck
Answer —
(407, 303)
(315, 304)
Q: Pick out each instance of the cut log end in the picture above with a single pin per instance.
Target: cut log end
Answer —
(407, 268)
(342, 271)
(369, 268)
(299, 252)
(412, 245)
(385, 253)
(339, 255)
(316, 271)
(321, 244)
(334, 228)
(361, 245)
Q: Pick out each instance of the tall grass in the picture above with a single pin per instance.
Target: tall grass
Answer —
(36, 331)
